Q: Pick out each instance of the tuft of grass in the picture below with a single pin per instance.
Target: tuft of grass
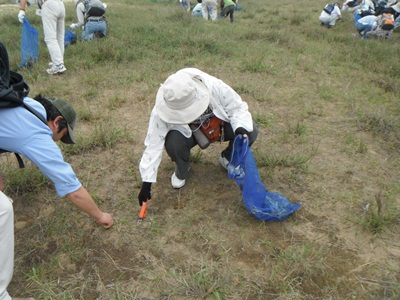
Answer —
(378, 214)
(272, 158)
(382, 124)
(262, 119)
(356, 145)
(197, 281)
(272, 161)
(379, 122)
(23, 182)
(196, 156)
(104, 135)
(297, 128)
(85, 113)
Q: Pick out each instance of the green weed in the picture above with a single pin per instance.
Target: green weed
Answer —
(104, 136)
(379, 214)
(25, 181)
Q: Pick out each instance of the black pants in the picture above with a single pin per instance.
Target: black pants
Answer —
(229, 10)
(178, 147)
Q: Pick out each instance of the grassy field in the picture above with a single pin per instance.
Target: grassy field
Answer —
(327, 104)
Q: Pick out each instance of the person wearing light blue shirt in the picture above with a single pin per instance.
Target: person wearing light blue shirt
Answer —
(366, 8)
(24, 133)
(366, 24)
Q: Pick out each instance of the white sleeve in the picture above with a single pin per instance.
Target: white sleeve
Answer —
(80, 14)
(154, 143)
(227, 104)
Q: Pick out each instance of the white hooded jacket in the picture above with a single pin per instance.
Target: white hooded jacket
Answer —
(225, 103)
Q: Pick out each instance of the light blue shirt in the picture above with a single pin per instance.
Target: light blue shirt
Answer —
(23, 133)
(368, 20)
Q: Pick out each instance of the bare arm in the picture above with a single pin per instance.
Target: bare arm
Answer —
(82, 199)
(22, 4)
(21, 12)
(80, 14)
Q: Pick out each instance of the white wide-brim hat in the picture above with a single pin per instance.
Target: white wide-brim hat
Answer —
(182, 99)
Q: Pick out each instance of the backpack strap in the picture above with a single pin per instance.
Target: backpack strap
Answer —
(20, 161)
(5, 92)
(36, 113)
(329, 8)
(41, 118)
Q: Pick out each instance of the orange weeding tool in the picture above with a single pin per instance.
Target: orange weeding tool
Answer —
(142, 213)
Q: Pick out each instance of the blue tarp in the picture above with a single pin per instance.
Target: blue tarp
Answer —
(264, 205)
(29, 44)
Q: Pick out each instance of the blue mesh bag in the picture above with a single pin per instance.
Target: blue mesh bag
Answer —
(265, 205)
(29, 44)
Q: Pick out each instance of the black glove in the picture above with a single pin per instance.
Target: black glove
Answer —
(242, 131)
(145, 193)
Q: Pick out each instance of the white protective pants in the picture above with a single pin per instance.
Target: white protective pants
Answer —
(53, 19)
(6, 244)
(213, 9)
(329, 19)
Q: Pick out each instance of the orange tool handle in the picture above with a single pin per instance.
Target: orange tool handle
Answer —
(143, 210)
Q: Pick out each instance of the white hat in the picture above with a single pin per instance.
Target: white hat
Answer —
(182, 99)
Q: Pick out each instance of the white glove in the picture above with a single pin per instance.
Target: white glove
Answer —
(105, 5)
(21, 16)
(73, 26)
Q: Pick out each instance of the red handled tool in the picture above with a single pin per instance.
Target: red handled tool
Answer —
(142, 213)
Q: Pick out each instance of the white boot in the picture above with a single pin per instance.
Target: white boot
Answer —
(176, 182)
(224, 162)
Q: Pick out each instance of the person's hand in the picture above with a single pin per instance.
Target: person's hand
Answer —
(73, 26)
(145, 193)
(106, 220)
(21, 16)
(242, 131)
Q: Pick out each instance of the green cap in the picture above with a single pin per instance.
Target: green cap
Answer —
(68, 113)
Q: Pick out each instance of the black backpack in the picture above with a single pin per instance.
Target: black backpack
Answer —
(13, 90)
(94, 9)
(329, 8)
(353, 3)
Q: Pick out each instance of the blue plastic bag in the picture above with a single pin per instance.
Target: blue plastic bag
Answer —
(69, 38)
(29, 44)
(264, 205)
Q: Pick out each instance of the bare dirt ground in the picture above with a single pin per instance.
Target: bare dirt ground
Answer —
(204, 229)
